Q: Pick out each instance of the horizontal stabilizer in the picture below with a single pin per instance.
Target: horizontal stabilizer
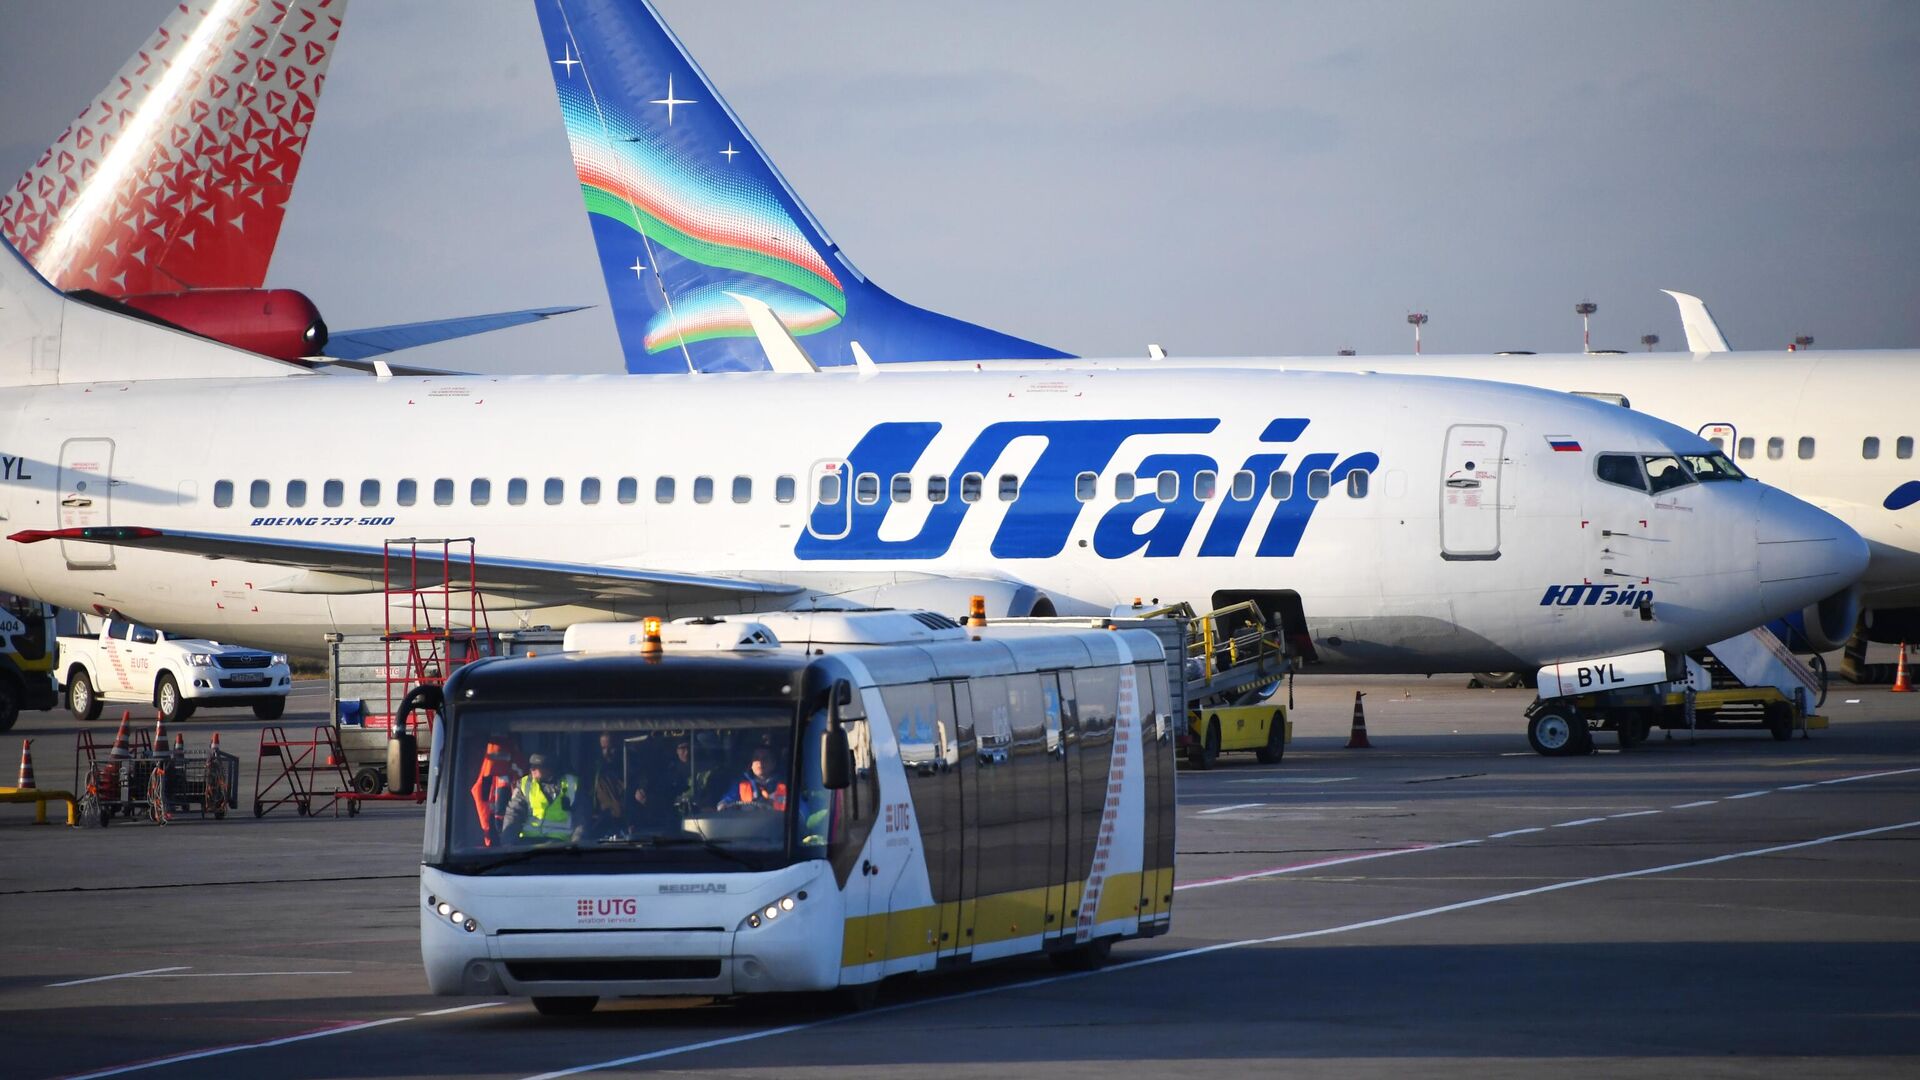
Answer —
(1703, 334)
(376, 340)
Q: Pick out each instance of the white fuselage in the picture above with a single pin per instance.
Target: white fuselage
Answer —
(1469, 522)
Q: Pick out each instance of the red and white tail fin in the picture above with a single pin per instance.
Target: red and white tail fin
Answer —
(176, 176)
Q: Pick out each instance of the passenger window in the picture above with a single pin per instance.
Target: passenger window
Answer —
(555, 491)
(1009, 487)
(1776, 448)
(223, 493)
(480, 493)
(296, 493)
(1166, 486)
(590, 491)
(1280, 485)
(517, 491)
(258, 492)
(1746, 448)
(703, 489)
(1243, 485)
(443, 492)
(1664, 473)
(1203, 485)
(627, 491)
(936, 489)
(1357, 484)
(406, 492)
(742, 489)
(1719, 442)
(866, 488)
(663, 490)
(829, 489)
(1806, 447)
(1903, 447)
(1123, 485)
(1870, 447)
(333, 493)
(369, 493)
(1319, 484)
(902, 488)
(1085, 486)
(783, 489)
(1621, 469)
(970, 487)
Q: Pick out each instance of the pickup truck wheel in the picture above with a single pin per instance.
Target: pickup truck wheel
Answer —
(168, 699)
(81, 699)
(270, 710)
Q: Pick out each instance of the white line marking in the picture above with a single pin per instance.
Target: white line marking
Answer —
(1691, 805)
(237, 1047)
(1582, 821)
(122, 975)
(462, 1008)
(1294, 780)
(236, 974)
(1634, 813)
(1516, 832)
(1800, 787)
(1294, 868)
(1749, 794)
(1369, 924)
(1870, 776)
(1235, 806)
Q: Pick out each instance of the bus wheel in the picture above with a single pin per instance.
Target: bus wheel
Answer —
(1089, 957)
(1204, 753)
(1276, 747)
(564, 1006)
(858, 997)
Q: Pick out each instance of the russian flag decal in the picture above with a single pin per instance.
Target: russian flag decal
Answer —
(1564, 443)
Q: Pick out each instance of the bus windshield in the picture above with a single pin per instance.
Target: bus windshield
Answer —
(625, 789)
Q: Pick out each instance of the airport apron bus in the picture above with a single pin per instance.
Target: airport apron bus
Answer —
(817, 807)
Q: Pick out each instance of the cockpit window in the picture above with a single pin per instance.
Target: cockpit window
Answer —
(1710, 468)
(1664, 473)
(1622, 469)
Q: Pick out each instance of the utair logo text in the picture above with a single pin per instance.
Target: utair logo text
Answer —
(1589, 595)
(1039, 521)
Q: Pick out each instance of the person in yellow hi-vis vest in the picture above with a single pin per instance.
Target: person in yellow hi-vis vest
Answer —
(542, 805)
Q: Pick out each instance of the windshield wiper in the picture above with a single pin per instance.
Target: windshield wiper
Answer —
(511, 858)
(712, 846)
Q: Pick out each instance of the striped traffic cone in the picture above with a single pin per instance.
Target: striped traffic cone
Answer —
(214, 750)
(120, 750)
(1900, 673)
(26, 765)
(179, 745)
(1358, 740)
(159, 735)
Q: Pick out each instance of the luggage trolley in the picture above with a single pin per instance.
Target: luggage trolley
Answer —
(156, 786)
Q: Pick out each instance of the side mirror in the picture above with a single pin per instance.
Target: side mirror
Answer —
(836, 759)
(847, 703)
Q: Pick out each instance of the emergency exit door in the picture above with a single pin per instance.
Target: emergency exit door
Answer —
(1470, 492)
(86, 489)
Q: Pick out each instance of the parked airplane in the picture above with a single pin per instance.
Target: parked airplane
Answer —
(1833, 428)
(1399, 524)
(165, 195)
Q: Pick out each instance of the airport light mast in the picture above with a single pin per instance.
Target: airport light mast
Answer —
(1585, 310)
(1417, 319)
(1649, 340)
(1804, 341)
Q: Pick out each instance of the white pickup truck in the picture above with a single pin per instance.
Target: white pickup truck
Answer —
(136, 664)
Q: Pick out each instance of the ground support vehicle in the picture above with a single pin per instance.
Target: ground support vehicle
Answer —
(1229, 663)
(124, 662)
(831, 799)
(26, 658)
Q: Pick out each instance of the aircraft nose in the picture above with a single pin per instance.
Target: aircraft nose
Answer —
(1806, 554)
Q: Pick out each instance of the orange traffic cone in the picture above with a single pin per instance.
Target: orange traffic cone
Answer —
(214, 750)
(120, 750)
(1358, 740)
(1900, 685)
(26, 764)
(179, 745)
(159, 735)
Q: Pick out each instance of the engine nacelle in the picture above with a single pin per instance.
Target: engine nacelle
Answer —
(1824, 626)
(280, 323)
(952, 596)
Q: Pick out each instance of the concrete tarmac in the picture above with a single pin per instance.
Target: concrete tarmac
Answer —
(1447, 903)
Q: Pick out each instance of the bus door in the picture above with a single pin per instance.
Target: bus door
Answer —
(957, 918)
(1063, 830)
(86, 477)
(1156, 785)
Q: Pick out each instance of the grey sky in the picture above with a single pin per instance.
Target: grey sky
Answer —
(1224, 178)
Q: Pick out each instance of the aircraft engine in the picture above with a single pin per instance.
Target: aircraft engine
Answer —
(1827, 625)
(280, 323)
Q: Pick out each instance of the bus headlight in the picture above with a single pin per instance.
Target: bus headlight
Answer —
(773, 911)
(453, 915)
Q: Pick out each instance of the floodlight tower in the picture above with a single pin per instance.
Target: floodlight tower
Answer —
(1804, 341)
(1347, 352)
(1649, 340)
(1418, 319)
(1585, 310)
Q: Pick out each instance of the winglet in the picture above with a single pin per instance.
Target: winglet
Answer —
(783, 352)
(860, 358)
(1703, 334)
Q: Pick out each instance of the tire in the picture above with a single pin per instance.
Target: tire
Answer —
(1632, 730)
(173, 705)
(82, 699)
(1499, 680)
(1556, 732)
(1276, 747)
(9, 704)
(1205, 753)
(1089, 957)
(271, 709)
(369, 780)
(1780, 721)
(564, 1006)
(856, 998)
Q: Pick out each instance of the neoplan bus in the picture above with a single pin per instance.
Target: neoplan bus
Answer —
(750, 816)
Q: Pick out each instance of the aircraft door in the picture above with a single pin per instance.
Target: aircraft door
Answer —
(86, 483)
(1470, 492)
(1724, 437)
(829, 500)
